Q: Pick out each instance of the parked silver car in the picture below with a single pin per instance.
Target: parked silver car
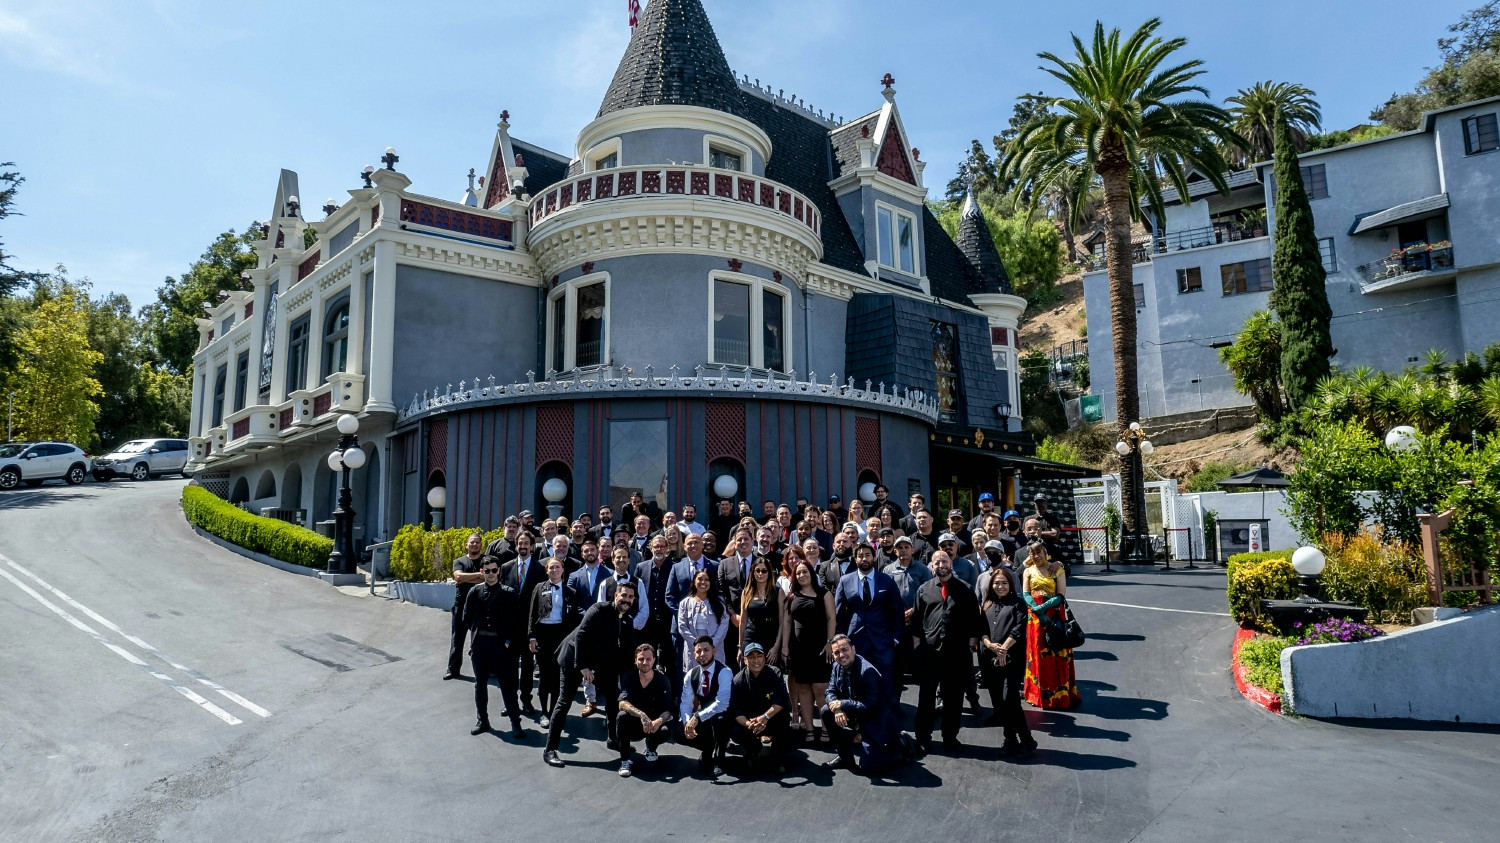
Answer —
(139, 459)
(33, 463)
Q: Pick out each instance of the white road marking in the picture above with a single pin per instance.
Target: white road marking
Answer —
(1152, 608)
(15, 500)
(125, 654)
(106, 623)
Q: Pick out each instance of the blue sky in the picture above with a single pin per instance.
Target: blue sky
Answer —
(146, 128)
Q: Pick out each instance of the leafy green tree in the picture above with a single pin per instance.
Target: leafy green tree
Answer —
(11, 279)
(1040, 406)
(1339, 137)
(1132, 122)
(139, 398)
(1207, 477)
(1255, 110)
(54, 379)
(1338, 462)
(170, 330)
(1255, 362)
(1299, 297)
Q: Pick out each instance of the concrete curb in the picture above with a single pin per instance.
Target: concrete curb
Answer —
(257, 557)
(1254, 693)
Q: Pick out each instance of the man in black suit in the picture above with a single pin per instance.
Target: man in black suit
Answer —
(883, 501)
(653, 575)
(945, 631)
(504, 548)
(640, 506)
(908, 523)
(721, 522)
(551, 618)
(523, 573)
(488, 611)
(734, 572)
(606, 525)
(841, 563)
(598, 651)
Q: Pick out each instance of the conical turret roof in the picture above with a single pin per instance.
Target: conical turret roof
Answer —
(978, 246)
(673, 58)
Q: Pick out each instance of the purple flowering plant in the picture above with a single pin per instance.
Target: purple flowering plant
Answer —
(1336, 631)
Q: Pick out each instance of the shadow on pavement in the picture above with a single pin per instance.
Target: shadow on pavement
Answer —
(1048, 756)
(1125, 708)
(1095, 655)
(1115, 636)
(1060, 725)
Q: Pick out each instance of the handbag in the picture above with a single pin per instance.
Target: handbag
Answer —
(1066, 635)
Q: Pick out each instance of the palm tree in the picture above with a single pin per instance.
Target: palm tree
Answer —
(1132, 123)
(1254, 110)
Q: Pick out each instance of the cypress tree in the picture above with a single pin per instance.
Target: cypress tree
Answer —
(1298, 298)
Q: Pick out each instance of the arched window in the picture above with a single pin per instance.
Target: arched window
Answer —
(748, 319)
(336, 339)
(219, 382)
(578, 324)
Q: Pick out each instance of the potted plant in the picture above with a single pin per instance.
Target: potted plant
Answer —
(1112, 522)
(1211, 535)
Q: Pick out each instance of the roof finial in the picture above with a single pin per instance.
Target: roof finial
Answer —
(888, 80)
(471, 178)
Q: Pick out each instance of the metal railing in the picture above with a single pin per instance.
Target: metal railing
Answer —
(1411, 260)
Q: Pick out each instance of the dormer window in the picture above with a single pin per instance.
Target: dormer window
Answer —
(724, 159)
(608, 162)
(896, 232)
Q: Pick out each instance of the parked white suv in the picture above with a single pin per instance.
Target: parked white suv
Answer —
(34, 462)
(139, 459)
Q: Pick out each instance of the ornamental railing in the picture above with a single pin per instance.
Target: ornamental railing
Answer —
(623, 383)
(707, 182)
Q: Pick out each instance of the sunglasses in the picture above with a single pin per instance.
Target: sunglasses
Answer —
(491, 570)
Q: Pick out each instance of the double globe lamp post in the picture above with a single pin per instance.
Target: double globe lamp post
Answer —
(1136, 546)
(346, 458)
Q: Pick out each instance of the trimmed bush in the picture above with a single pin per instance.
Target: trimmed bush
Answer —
(1262, 660)
(422, 555)
(1387, 577)
(276, 539)
(1254, 580)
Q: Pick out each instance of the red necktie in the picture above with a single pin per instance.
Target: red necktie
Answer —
(944, 586)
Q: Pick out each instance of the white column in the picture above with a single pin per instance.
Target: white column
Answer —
(357, 305)
(378, 395)
(278, 357)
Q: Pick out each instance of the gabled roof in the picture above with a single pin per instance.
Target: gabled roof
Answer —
(846, 142)
(978, 246)
(673, 59)
(544, 168)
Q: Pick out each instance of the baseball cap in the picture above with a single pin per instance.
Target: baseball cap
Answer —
(1011, 513)
(905, 539)
(955, 513)
(835, 499)
(887, 531)
(994, 545)
(986, 496)
(512, 520)
(1039, 496)
(947, 537)
(525, 513)
(754, 647)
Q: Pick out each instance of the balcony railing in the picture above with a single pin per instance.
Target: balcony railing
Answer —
(1412, 261)
(634, 182)
(1143, 248)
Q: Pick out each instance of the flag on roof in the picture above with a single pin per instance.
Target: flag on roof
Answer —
(635, 11)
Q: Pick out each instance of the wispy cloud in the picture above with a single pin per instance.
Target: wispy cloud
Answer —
(40, 39)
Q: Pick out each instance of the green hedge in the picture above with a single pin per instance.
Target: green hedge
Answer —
(1262, 660)
(1241, 558)
(422, 555)
(276, 539)
(1264, 576)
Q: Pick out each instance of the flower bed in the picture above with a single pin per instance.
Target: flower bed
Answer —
(1256, 659)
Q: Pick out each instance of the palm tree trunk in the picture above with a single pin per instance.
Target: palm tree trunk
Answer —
(1065, 208)
(1114, 173)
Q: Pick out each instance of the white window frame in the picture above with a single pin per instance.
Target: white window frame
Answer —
(892, 261)
(567, 293)
(602, 149)
(726, 145)
(1331, 265)
(758, 287)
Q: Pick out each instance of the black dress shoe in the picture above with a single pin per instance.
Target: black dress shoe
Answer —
(974, 705)
(953, 746)
(480, 728)
(516, 731)
(550, 756)
(452, 674)
(923, 746)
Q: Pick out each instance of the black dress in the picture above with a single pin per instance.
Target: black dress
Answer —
(762, 621)
(809, 636)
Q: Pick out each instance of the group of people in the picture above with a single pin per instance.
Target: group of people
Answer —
(763, 631)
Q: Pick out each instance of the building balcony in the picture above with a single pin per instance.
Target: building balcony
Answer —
(1417, 266)
(251, 428)
(340, 392)
(613, 382)
(702, 182)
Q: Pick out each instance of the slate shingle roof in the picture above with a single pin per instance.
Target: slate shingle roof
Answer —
(673, 59)
(978, 246)
(543, 169)
(845, 142)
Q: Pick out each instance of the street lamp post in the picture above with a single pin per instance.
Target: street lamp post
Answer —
(346, 458)
(1135, 545)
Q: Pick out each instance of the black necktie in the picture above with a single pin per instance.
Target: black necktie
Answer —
(869, 597)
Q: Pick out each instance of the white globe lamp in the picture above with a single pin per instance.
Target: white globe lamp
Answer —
(437, 497)
(336, 460)
(1122, 448)
(867, 492)
(348, 424)
(1146, 447)
(1402, 438)
(1308, 561)
(354, 457)
(553, 491)
(725, 486)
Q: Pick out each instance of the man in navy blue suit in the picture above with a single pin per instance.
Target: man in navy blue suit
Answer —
(583, 592)
(680, 584)
(872, 613)
(857, 713)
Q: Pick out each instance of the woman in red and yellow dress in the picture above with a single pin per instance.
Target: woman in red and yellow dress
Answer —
(1049, 673)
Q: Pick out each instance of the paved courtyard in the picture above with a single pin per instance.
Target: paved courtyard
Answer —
(158, 687)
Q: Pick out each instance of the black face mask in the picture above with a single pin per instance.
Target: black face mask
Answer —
(995, 556)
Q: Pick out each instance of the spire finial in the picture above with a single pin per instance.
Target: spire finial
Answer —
(888, 81)
(504, 115)
(471, 178)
